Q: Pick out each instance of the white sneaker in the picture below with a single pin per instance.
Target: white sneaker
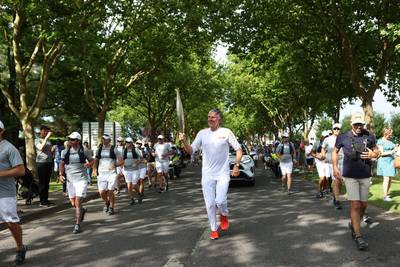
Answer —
(387, 198)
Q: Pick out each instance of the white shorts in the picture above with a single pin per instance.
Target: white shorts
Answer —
(330, 167)
(8, 210)
(107, 181)
(131, 176)
(142, 173)
(77, 189)
(162, 166)
(120, 170)
(286, 167)
(322, 168)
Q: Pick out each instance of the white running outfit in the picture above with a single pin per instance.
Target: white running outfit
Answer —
(215, 170)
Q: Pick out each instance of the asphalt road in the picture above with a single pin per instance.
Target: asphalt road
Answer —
(268, 228)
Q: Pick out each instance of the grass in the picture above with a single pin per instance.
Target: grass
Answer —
(375, 192)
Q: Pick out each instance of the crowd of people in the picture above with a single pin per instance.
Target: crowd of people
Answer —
(340, 158)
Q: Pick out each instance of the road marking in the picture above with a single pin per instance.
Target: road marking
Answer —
(173, 262)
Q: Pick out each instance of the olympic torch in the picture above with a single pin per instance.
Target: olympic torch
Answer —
(179, 112)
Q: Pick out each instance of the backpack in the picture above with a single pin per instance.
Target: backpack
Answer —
(134, 153)
(81, 154)
(112, 152)
(290, 148)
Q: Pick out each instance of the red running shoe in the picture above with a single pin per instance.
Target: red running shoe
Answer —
(224, 222)
(214, 235)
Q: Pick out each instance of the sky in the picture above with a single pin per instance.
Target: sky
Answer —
(380, 105)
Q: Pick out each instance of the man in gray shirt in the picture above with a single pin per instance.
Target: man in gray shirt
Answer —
(11, 165)
(44, 162)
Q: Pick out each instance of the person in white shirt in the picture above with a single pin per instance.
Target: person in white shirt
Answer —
(162, 151)
(214, 142)
(328, 146)
(107, 159)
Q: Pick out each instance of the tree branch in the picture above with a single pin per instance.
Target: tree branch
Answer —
(28, 68)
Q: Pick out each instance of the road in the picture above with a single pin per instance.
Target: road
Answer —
(268, 228)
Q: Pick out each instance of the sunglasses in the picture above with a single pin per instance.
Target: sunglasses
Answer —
(337, 129)
(358, 125)
(72, 139)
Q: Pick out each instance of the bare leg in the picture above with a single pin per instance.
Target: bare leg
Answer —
(16, 232)
(111, 198)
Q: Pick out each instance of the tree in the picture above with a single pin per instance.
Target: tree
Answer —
(33, 41)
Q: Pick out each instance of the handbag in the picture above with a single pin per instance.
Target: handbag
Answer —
(396, 162)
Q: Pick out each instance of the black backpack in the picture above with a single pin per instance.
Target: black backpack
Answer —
(112, 152)
(134, 153)
(81, 154)
(283, 147)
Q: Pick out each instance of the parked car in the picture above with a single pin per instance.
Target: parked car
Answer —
(246, 166)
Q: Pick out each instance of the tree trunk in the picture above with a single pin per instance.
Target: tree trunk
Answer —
(369, 112)
(29, 146)
(101, 118)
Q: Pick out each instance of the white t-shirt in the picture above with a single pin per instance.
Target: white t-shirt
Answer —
(215, 147)
(308, 150)
(328, 145)
(107, 164)
(161, 151)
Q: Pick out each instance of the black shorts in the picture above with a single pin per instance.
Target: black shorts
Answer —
(310, 161)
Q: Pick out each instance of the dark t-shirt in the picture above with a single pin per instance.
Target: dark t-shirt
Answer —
(353, 165)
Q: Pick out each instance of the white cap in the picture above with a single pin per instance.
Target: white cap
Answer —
(1, 125)
(75, 135)
(106, 136)
(336, 125)
(325, 133)
(160, 136)
(285, 134)
(128, 140)
(120, 139)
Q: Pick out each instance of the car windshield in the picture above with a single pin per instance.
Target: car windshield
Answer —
(244, 149)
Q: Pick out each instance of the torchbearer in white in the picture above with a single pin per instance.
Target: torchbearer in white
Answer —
(214, 142)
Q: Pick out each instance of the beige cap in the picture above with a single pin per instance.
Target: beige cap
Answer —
(1, 125)
(357, 117)
(160, 136)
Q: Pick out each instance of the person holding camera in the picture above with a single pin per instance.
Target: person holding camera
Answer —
(359, 147)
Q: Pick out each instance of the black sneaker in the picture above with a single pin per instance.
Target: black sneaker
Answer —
(20, 256)
(337, 204)
(132, 201)
(83, 211)
(160, 190)
(140, 199)
(361, 243)
(77, 229)
(106, 207)
(111, 211)
(353, 234)
(320, 195)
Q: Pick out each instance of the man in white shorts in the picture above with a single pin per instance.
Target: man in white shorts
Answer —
(321, 164)
(120, 179)
(11, 165)
(286, 153)
(131, 167)
(327, 147)
(74, 162)
(142, 170)
(162, 151)
(107, 159)
(214, 142)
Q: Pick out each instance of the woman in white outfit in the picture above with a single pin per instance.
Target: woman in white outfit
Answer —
(74, 161)
(214, 142)
(131, 167)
